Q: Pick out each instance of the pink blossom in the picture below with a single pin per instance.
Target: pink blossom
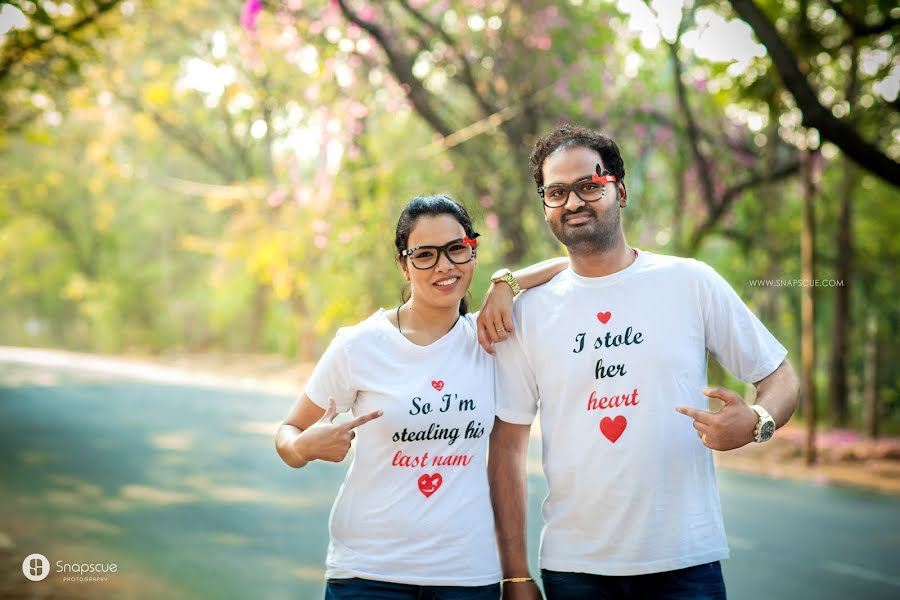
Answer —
(663, 135)
(562, 90)
(587, 106)
(320, 241)
(249, 14)
(439, 8)
(492, 221)
(357, 110)
(543, 42)
(277, 197)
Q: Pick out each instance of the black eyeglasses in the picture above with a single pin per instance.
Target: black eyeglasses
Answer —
(588, 189)
(459, 251)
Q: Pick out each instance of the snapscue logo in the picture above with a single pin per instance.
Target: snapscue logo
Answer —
(82, 572)
(36, 567)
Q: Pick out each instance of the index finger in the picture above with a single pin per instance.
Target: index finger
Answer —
(484, 339)
(360, 420)
(702, 416)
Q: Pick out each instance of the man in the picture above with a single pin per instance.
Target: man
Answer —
(613, 350)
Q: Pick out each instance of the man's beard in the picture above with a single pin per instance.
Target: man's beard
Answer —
(591, 238)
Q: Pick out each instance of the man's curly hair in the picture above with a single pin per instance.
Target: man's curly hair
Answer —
(569, 135)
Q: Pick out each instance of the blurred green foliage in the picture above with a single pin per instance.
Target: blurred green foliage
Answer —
(235, 186)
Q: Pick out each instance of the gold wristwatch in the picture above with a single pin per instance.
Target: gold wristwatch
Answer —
(506, 276)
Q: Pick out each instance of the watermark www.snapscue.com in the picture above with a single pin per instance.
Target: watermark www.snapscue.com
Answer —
(796, 283)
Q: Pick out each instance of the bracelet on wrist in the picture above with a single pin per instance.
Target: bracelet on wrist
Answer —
(516, 579)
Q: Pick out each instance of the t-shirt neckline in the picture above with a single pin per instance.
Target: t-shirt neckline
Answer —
(386, 322)
(612, 278)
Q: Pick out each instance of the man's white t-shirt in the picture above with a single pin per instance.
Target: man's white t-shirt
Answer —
(632, 489)
(414, 507)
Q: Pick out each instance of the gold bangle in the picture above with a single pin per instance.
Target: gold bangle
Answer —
(516, 579)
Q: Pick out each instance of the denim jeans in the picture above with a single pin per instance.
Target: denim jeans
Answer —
(367, 589)
(703, 582)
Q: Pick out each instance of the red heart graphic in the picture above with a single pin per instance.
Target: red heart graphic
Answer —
(438, 385)
(604, 317)
(613, 428)
(429, 484)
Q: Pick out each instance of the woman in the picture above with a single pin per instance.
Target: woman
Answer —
(413, 518)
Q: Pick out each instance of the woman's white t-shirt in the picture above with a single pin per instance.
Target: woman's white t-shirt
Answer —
(414, 507)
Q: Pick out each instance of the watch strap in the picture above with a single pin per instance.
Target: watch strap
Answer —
(509, 279)
(763, 417)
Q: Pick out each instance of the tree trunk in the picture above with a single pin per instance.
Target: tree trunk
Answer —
(256, 327)
(807, 305)
(840, 349)
(307, 349)
(870, 378)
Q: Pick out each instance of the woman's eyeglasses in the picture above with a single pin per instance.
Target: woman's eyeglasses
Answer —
(459, 252)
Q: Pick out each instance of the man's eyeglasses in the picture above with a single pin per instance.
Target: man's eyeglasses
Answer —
(589, 189)
(459, 251)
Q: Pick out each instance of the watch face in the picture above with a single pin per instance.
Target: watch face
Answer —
(767, 430)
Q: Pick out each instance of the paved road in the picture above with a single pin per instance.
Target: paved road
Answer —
(182, 489)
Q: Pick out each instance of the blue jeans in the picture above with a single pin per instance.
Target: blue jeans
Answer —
(367, 589)
(703, 582)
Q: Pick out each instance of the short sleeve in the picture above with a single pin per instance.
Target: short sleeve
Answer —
(734, 336)
(515, 386)
(332, 378)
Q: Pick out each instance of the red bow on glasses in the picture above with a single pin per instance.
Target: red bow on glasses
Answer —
(471, 241)
(602, 178)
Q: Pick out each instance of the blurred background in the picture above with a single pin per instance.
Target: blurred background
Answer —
(211, 188)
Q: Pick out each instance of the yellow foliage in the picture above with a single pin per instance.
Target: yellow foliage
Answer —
(77, 287)
(104, 215)
(193, 243)
(144, 127)
(281, 285)
(152, 67)
(335, 313)
(218, 204)
(54, 178)
(39, 137)
(96, 185)
(96, 151)
(158, 94)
